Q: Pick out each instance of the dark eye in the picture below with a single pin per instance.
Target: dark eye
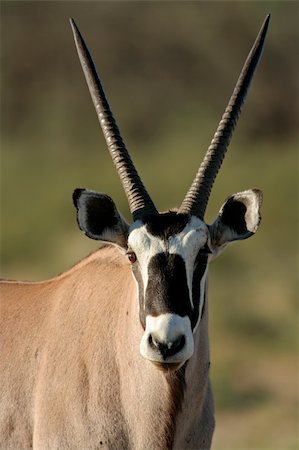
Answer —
(205, 250)
(131, 257)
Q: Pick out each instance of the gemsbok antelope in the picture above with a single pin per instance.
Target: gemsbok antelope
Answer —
(114, 353)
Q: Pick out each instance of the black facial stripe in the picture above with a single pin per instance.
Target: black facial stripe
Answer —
(167, 289)
(200, 268)
(166, 224)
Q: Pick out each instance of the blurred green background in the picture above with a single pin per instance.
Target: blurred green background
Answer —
(168, 69)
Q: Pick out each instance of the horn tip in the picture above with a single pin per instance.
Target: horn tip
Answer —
(74, 26)
(265, 26)
(263, 32)
(266, 21)
(77, 36)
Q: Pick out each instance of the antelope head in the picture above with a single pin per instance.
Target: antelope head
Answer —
(169, 252)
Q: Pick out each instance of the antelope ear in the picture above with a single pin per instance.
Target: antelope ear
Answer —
(99, 218)
(238, 218)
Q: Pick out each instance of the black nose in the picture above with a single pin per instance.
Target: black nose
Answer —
(167, 349)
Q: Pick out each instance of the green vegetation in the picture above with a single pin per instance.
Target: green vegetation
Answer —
(168, 69)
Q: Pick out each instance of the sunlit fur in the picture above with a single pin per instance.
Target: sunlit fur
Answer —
(72, 376)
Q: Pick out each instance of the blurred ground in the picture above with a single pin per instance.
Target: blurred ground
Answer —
(168, 70)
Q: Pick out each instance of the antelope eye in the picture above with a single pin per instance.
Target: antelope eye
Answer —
(131, 257)
(205, 250)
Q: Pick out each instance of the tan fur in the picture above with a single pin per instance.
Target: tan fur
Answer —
(72, 376)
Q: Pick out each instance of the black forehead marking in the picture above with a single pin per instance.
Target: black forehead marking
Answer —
(167, 289)
(166, 224)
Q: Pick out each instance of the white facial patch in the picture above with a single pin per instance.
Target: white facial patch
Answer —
(186, 244)
(145, 246)
(202, 297)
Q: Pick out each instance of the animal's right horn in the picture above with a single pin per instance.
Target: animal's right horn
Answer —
(139, 200)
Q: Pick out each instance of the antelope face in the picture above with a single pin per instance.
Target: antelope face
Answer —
(169, 254)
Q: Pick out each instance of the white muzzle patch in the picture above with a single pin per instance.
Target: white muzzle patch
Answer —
(167, 338)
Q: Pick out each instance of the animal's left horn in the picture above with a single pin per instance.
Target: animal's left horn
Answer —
(139, 200)
(197, 197)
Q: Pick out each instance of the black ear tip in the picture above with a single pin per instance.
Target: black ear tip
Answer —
(76, 195)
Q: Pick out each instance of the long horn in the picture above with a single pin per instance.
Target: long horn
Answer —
(197, 197)
(139, 200)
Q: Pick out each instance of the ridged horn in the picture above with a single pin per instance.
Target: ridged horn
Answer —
(139, 200)
(197, 197)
